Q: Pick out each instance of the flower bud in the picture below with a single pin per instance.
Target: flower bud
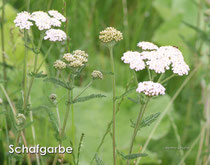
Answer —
(20, 119)
(53, 97)
(97, 74)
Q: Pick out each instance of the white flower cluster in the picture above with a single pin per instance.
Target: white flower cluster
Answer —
(158, 59)
(77, 59)
(43, 21)
(55, 35)
(135, 59)
(22, 20)
(58, 64)
(147, 45)
(150, 88)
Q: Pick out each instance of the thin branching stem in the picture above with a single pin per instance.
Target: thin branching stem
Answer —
(168, 78)
(139, 119)
(110, 123)
(25, 72)
(149, 73)
(89, 84)
(114, 102)
(62, 132)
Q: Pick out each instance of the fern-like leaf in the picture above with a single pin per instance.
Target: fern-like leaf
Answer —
(98, 160)
(86, 98)
(147, 121)
(58, 82)
(131, 156)
(37, 75)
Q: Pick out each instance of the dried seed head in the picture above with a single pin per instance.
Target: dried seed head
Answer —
(110, 35)
(97, 74)
(53, 97)
(20, 118)
(77, 59)
(58, 64)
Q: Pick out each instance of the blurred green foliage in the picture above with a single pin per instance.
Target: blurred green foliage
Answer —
(160, 21)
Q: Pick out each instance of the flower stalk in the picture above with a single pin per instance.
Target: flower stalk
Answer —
(136, 129)
(114, 103)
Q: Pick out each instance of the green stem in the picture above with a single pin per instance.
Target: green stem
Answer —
(25, 72)
(45, 57)
(62, 132)
(89, 84)
(72, 120)
(136, 129)
(160, 78)
(149, 73)
(110, 123)
(114, 102)
(2, 44)
(34, 136)
(34, 70)
(168, 78)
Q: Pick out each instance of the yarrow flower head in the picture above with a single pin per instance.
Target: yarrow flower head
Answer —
(77, 59)
(58, 64)
(22, 20)
(147, 45)
(97, 74)
(150, 88)
(110, 35)
(55, 14)
(42, 20)
(135, 59)
(164, 57)
(157, 59)
(20, 118)
(55, 35)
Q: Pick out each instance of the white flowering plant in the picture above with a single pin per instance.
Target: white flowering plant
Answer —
(147, 104)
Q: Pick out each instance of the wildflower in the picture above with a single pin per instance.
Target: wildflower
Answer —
(77, 59)
(55, 35)
(68, 57)
(80, 53)
(147, 45)
(58, 64)
(135, 59)
(20, 118)
(1, 101)
(42, 20)
(110, 34)
(22, 20)
(55, 14)
(164, 58)
(150, 88)
(97, 74)
(55, 22)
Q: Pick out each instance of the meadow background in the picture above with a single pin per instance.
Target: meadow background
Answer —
(181, 23)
